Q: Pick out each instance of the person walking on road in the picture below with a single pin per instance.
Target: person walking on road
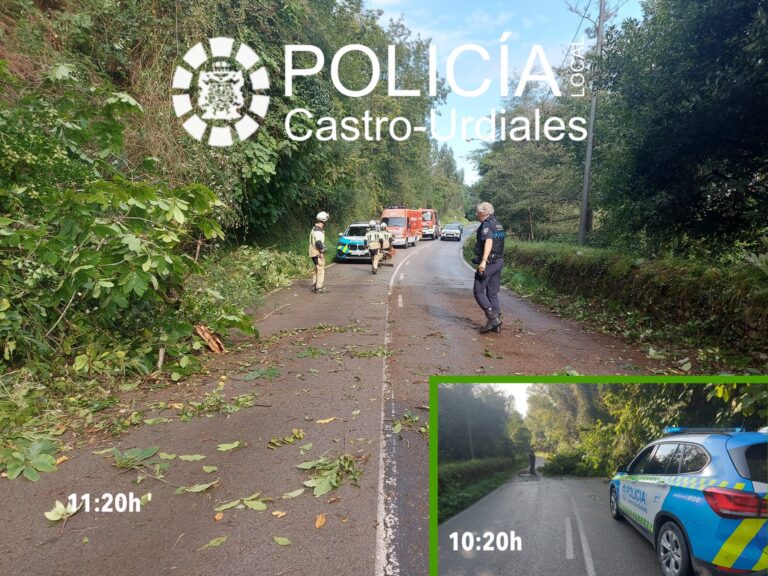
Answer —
(317, 252)
(385, 238)
(532, 460)
(489, 258)
(372, 238)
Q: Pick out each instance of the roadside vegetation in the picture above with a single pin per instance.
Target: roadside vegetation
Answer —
(678, 246)
(482, 443)
(120, 236)
(591, 429)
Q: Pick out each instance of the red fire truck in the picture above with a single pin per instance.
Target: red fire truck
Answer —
(430, 225)
(404, 224)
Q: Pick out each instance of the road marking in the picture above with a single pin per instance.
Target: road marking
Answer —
(386, 563)
(399, 300)
(590, 565)
(397, 270)
(402, 277)
(568, 539)
(408, 263)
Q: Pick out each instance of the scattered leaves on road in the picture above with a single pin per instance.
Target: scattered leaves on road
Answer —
(294, 494)
(326, 420)
(296, 434)
(282, 541)
(268, 372)
(231, 446)
(329, 473)
(489, 354)
(320, 521)
(61, 512)
(196, 487)
(209, 469)
(191, 457)
(214, 543)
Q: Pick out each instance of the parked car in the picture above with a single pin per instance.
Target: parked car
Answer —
(699, 496)
(351, 244)
(452, 231)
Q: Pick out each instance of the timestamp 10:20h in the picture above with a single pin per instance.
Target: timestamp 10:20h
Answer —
(488, 542)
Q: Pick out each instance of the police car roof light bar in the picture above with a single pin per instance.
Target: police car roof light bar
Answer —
(685, 430)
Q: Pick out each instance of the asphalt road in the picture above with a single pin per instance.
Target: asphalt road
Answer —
(562, 527)
(431, 327)
(422, 310)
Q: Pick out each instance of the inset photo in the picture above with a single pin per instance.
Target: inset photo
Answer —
(586, 478)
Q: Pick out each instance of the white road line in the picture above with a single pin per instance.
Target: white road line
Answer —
(386, 563)
(399, 300)
(568, 539)
(397, 270)
(402, 277)
(408, 263)
(590, 565)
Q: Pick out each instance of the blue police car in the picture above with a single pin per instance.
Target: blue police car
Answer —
(352, 244)
(700, 497)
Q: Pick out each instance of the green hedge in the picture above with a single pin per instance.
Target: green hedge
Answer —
(453, 475)
(461, 484)
(727, 302)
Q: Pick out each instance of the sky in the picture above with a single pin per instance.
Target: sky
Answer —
(519, 392)
(452, 23)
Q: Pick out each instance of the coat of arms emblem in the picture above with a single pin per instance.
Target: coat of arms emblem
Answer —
(221, 92)
(231, 99)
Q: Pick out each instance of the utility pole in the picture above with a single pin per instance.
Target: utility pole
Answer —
(591, 135)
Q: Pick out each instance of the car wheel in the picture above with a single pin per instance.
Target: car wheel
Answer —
(672, 551)
(615, 512)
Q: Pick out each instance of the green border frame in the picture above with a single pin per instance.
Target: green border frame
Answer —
(434, 381)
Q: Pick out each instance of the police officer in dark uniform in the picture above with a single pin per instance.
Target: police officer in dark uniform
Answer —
(489, 257)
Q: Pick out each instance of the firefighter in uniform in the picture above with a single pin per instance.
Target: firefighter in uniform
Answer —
(374, 245)
(489, 258)
(385, 237)
(317, 252)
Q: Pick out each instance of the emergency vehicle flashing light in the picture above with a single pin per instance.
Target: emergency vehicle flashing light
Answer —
(685, 430)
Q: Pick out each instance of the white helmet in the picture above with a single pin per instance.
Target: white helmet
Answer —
(383, 225)
(372, 223)
(322, 216)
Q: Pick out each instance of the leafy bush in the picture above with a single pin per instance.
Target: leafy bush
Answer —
(459, 474)
(460, 484)
(93, 264)
(720, 303)
(231, 280)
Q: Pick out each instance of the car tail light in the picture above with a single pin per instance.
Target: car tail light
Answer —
(736, 504)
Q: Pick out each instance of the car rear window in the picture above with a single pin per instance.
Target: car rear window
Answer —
(661, 460)
(694, 459)
(757, 461)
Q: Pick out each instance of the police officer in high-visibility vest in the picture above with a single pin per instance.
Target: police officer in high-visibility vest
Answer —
(317, 252)
(374, 245)
(489, 258)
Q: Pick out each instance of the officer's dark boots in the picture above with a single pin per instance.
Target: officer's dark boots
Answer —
(493, 323)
